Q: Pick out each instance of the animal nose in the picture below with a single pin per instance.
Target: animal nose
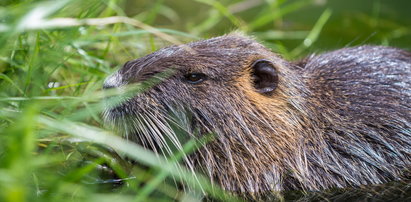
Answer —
(106, 86)
(112, 81)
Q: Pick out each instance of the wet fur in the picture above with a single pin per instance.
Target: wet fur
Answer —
(338, 119)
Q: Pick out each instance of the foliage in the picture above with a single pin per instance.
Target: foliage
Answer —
(54, 56)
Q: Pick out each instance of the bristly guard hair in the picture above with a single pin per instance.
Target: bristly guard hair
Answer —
(338, 119)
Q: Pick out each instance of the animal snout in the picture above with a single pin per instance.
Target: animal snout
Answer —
(113, 81)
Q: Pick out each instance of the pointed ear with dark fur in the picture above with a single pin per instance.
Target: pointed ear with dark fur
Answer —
(265, 76)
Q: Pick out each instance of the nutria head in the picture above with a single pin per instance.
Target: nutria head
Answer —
(276, 126)
(232, 87)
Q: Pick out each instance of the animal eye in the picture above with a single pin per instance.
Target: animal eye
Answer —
(195, 78)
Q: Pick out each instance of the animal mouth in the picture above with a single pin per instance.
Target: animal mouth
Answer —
(161, 130)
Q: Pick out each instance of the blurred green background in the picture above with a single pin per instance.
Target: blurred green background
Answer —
(54, 56)
(286, 22)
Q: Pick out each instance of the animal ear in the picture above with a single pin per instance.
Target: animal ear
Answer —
(265, 76)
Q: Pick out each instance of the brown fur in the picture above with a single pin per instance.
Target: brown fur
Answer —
(335, 120)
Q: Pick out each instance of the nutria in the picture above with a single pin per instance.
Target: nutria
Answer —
(338, 119)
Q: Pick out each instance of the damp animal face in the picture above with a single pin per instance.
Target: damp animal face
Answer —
(210, 79)
(231, 87)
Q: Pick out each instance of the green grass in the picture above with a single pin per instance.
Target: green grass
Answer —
(54, 56)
